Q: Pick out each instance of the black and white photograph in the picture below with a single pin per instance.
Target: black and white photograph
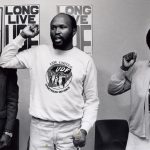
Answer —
(75, 75)
(1, 19)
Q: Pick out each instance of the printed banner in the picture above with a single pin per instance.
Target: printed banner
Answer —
(83, 16)
(16, 18)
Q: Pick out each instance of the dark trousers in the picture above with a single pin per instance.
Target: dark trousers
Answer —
(2, 127)
(15, 139)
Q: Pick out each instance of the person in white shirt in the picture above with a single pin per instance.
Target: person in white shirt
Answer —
(63, 93)
(135, 76)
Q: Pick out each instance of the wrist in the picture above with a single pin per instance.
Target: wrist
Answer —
(124, 68)
(23, 35)
(83, 131)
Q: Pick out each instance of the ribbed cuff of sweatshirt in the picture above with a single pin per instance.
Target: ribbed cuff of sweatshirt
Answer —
(19, 41)
(86, 126)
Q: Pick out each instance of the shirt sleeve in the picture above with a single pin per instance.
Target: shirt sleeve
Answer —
(120, 82)
(8, 56)
(26, 58)
(91, 97)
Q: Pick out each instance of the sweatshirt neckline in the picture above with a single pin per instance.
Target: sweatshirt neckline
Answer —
(58, 51)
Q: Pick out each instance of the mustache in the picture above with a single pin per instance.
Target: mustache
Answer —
(57, 36)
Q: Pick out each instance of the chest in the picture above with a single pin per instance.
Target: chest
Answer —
(141, 81)
(59, 69)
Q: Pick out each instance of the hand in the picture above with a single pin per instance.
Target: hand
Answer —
(128, 60)
(30, 31)
(5, 141)
(79, 137)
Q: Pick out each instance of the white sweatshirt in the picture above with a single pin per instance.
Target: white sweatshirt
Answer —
(59, 79)
(137, 80)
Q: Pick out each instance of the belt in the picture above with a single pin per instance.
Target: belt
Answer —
(55, 121)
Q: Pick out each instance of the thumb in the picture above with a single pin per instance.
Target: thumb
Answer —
(76, 134)
(131, 62)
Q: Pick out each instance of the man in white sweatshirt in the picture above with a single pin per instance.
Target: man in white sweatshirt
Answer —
(63, 96)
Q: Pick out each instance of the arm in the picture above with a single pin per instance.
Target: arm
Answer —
(91, 97)
(8, 57)
(120, 82)
(12, 99)
(12, 107)
(91, 105)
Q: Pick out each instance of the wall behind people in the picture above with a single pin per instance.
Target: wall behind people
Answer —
(118, 27)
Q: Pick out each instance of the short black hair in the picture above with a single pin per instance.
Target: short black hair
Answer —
(73, 21)
(148, 38)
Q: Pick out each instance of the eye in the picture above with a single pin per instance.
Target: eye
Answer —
(62, 27)
(53, 27)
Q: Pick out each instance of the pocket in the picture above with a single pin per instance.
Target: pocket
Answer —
(34, 122)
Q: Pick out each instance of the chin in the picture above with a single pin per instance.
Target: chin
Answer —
(58, 46)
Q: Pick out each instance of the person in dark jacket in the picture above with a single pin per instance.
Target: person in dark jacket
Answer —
(8, 105)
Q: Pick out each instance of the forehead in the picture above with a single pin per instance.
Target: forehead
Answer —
(61, 19)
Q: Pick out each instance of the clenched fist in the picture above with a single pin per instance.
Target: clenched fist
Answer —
(30, 31)
(5, 141)
(79, 137)
(128, 60)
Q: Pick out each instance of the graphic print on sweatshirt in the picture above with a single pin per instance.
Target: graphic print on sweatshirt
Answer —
(58, 76)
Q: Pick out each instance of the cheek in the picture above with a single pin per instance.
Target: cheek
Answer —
(67, 35)
(52, 34)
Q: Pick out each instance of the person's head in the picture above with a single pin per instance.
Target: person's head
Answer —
(62, 29)
(148, 38)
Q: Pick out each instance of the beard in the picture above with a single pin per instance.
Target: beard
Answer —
(60, 43)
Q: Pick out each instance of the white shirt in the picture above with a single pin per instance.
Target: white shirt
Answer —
(59, 79)
(137, 80)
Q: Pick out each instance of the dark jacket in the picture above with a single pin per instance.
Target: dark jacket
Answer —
(8, 97)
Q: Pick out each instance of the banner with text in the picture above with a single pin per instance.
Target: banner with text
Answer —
(16, 18)
(83, 15)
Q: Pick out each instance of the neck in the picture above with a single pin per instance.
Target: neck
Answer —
(64, 48)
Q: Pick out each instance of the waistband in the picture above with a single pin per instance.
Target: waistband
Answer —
(64, 121)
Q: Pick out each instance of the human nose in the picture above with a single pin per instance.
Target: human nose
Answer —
(57, 30)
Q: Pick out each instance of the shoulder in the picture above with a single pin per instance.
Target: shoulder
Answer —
(40, 47)
(35, 49)
(83, 55)
(141, 64)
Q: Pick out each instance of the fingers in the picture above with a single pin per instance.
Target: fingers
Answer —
(128, 57)
(135, 56)
(34, 28)
(128, 60)
(79, 138)
(79, 143)
(30, 31)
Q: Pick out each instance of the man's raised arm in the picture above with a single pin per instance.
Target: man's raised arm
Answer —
(8, 57)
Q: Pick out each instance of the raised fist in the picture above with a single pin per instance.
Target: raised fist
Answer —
(30, 31)
(128, 60)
